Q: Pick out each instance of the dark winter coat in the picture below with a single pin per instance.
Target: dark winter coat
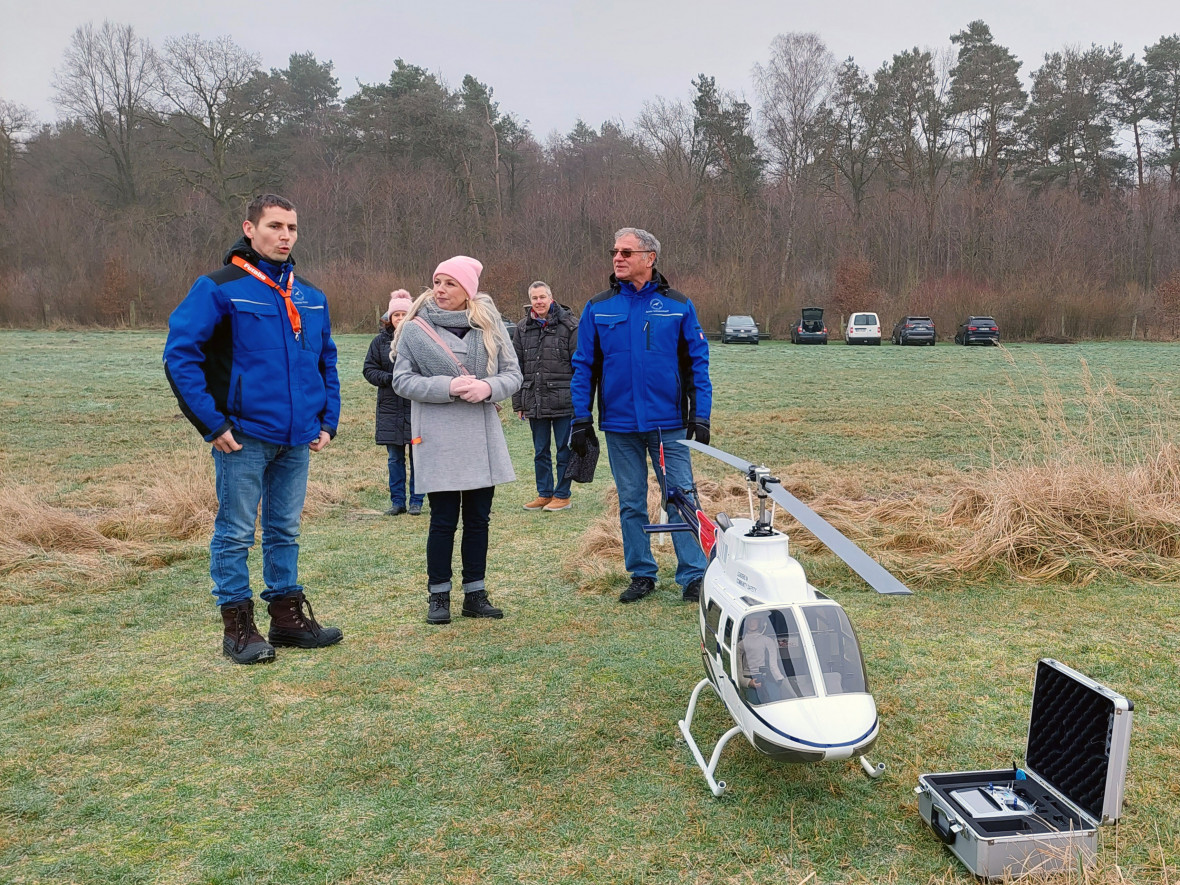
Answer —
(393, 411)
(545, 351)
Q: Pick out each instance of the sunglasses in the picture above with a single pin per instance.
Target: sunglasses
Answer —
(627, 253)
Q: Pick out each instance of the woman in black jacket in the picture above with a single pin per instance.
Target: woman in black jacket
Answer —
(393, 411)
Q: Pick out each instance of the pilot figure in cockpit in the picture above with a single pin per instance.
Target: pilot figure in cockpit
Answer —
(761, 665)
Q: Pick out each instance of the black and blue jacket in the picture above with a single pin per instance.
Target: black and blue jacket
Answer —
(645, 355)
(234, 362)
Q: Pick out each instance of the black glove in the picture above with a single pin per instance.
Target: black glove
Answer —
(698, 429)
(581, 434)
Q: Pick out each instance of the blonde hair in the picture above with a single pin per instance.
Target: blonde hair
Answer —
(482, 313)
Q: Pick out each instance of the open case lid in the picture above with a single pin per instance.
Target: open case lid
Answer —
(1077, 739)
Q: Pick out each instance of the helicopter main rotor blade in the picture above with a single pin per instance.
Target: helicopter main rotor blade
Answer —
(860, 562)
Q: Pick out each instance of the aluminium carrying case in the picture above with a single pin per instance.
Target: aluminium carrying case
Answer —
(1044, 816)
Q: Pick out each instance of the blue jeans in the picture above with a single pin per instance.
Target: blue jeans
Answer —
(559, 428)
(628, 454)
(276, 477)
(397, 476)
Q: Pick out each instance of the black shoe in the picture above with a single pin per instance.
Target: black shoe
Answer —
(692, 592)
(440, 609)
(395, 510)
(242, 643)
(476, 605)
(415, 509)
(639, 588)
(293, 624)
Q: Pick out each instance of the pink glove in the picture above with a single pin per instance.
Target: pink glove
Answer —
(477, 391)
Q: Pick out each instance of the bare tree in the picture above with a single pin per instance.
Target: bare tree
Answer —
(15, 119)
(214, 91)
(106, 81)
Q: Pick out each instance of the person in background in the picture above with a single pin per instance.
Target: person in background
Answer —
(641, 347)
(452, 359)
(545, 341)
(251, 360)
(393, 411)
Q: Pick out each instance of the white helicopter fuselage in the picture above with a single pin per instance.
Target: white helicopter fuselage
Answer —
(782, 656)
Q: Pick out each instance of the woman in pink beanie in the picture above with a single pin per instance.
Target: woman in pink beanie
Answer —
(393, 411)
(453, 361)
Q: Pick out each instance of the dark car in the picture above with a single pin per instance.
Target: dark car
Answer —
(739, 328)
(509, 327)
(978, 330)
(810, 329)
(914, 330)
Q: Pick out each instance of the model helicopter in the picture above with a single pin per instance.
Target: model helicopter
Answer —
(780, 655)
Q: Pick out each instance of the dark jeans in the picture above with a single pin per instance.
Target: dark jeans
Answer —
(445, 507)
(559, 428)
(398, 455)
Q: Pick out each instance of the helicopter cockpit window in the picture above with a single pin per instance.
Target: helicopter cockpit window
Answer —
(712, 622)
(771, 658)
(836, 647)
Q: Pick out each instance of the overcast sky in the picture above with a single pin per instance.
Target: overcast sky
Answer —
(553, 62)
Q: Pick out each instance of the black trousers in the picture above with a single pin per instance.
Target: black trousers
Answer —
(475, 506)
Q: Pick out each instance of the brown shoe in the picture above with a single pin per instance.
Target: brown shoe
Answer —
(293, 623)
(537, 503)
(558, 504)
(242, 643)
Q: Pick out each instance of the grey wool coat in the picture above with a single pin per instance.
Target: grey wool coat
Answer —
(457, 445)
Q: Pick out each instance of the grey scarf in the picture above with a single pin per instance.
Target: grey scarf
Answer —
(431, 358)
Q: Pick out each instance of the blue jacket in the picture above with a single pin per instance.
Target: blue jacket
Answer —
(645, 355)
(234, 362)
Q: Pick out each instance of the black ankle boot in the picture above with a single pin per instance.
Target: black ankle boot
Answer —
(440, 609)
(242, 643)
(476, 605)
(293, 623)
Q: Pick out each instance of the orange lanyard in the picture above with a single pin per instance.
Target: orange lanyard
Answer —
(292, 311)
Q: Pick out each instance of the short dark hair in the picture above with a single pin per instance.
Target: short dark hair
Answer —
(266, 201)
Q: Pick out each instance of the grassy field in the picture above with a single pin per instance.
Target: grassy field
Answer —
(543, 747)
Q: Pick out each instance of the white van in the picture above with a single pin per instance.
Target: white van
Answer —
(863, 328)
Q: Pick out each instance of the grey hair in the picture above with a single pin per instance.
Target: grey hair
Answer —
(646, 240)
(540, 284)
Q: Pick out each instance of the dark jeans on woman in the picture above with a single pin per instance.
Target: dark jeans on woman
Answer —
(475, 505)
(398, 456)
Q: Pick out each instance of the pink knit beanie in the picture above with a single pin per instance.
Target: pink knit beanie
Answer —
(400, 300)
(465, 270)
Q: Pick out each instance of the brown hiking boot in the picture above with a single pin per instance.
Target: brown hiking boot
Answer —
(243, 644)
(538, 503)
(293, 623)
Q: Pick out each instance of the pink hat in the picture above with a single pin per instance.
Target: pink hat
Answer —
(400, 300)
(465, 270)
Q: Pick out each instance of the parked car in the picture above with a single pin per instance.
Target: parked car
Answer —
(978, 330)
(914, 330)
(863, 328)
(509, 327)
(810, 329)
(739, 328)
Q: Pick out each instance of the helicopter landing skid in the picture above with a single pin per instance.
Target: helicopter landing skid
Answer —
(718, 787)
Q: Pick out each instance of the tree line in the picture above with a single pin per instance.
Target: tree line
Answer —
(936, 184)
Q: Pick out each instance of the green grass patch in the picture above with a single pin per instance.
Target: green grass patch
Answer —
(541, 748)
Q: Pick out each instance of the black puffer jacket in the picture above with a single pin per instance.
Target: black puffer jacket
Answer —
(545, 352)
(393, 411)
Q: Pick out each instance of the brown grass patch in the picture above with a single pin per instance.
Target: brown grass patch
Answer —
(149, 515)
(1067, 522)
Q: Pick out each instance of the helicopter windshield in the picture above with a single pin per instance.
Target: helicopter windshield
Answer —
(836, 647)
(771, 658)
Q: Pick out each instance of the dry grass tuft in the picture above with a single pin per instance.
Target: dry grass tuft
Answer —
(146, 518)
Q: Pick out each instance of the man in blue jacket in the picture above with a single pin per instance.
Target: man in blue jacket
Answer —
(251, 360)
(641, 348)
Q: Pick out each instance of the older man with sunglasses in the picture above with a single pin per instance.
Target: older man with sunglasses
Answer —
(641, 347)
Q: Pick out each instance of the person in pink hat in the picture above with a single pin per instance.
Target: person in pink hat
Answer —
(393, 411)
(452, 359)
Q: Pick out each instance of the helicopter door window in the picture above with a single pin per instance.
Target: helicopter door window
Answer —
(836, 648)
(712, 622)
(773, 665)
